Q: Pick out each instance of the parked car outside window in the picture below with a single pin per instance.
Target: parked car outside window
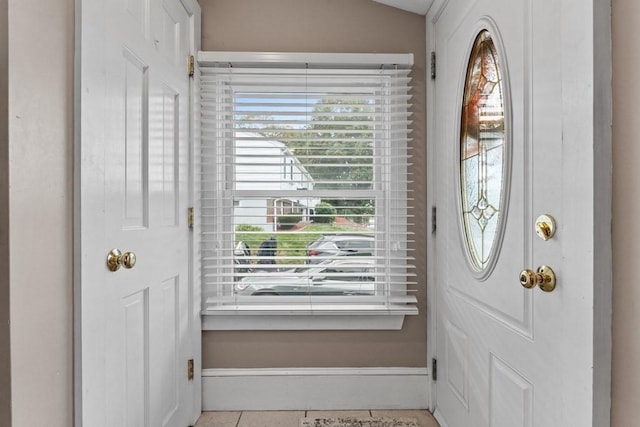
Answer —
(337, 277)
(330, 246)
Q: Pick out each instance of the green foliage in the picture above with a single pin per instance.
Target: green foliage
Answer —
(251, 235)
(358, 211)
(247, 227)
(324, 213)
(294, 247)
(286, 222)
(346, 153)
(291, 245)
(289, 219)
(330, 228)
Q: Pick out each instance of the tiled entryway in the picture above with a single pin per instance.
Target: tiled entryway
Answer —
(292, 418)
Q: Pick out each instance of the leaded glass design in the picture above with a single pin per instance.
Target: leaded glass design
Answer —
(482, 150)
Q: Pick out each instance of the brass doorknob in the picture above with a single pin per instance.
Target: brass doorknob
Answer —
(116, 259)
(544, 278)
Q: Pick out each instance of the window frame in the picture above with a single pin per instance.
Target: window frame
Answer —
(280, 314)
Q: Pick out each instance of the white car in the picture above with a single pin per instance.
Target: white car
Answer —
(338, 277)
(333, 245)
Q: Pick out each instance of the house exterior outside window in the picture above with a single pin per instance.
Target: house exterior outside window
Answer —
(259, 168)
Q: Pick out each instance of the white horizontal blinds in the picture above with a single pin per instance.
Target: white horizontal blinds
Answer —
(304, 188)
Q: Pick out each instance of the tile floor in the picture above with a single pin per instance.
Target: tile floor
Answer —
(292, 418)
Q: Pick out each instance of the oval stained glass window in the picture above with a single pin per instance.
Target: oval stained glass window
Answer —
(482, 151)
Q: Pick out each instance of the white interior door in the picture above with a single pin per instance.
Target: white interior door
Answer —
(135, 325)
(519, 140)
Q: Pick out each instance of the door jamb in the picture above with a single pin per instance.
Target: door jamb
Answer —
(194, 306)
(430, 18)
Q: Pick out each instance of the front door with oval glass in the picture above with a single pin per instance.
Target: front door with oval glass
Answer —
(503, 130)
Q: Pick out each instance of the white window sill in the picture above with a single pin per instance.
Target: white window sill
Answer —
(304, 318)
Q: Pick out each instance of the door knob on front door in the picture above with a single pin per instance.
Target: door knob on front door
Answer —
(116, 259)
(544, 278)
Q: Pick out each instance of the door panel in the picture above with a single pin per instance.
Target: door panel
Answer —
(136, 357)
(170, 160)
(510, 396)
(456, 354)
(510, 356)
(135, 85)
(134, 176)
(169, 349)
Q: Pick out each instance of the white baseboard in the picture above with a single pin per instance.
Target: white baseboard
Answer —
(314, 389)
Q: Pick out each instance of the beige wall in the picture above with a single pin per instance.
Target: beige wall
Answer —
(5, 361)
(325, 26)
(41, 215)
(626, 211)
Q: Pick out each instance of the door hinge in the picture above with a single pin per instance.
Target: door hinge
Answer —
(433, 219)
(434, 369)
(433, 65)
(190, 218)
(190, 369)
(191, 65)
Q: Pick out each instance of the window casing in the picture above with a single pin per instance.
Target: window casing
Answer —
(281, 140)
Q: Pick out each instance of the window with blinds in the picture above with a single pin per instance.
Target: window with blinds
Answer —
(304, 179)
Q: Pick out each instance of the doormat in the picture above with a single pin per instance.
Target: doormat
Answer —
(359, 422)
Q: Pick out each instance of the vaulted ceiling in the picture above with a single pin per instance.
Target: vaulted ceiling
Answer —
(416, 6)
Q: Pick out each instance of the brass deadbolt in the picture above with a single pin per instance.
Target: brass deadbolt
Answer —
(545, 227)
